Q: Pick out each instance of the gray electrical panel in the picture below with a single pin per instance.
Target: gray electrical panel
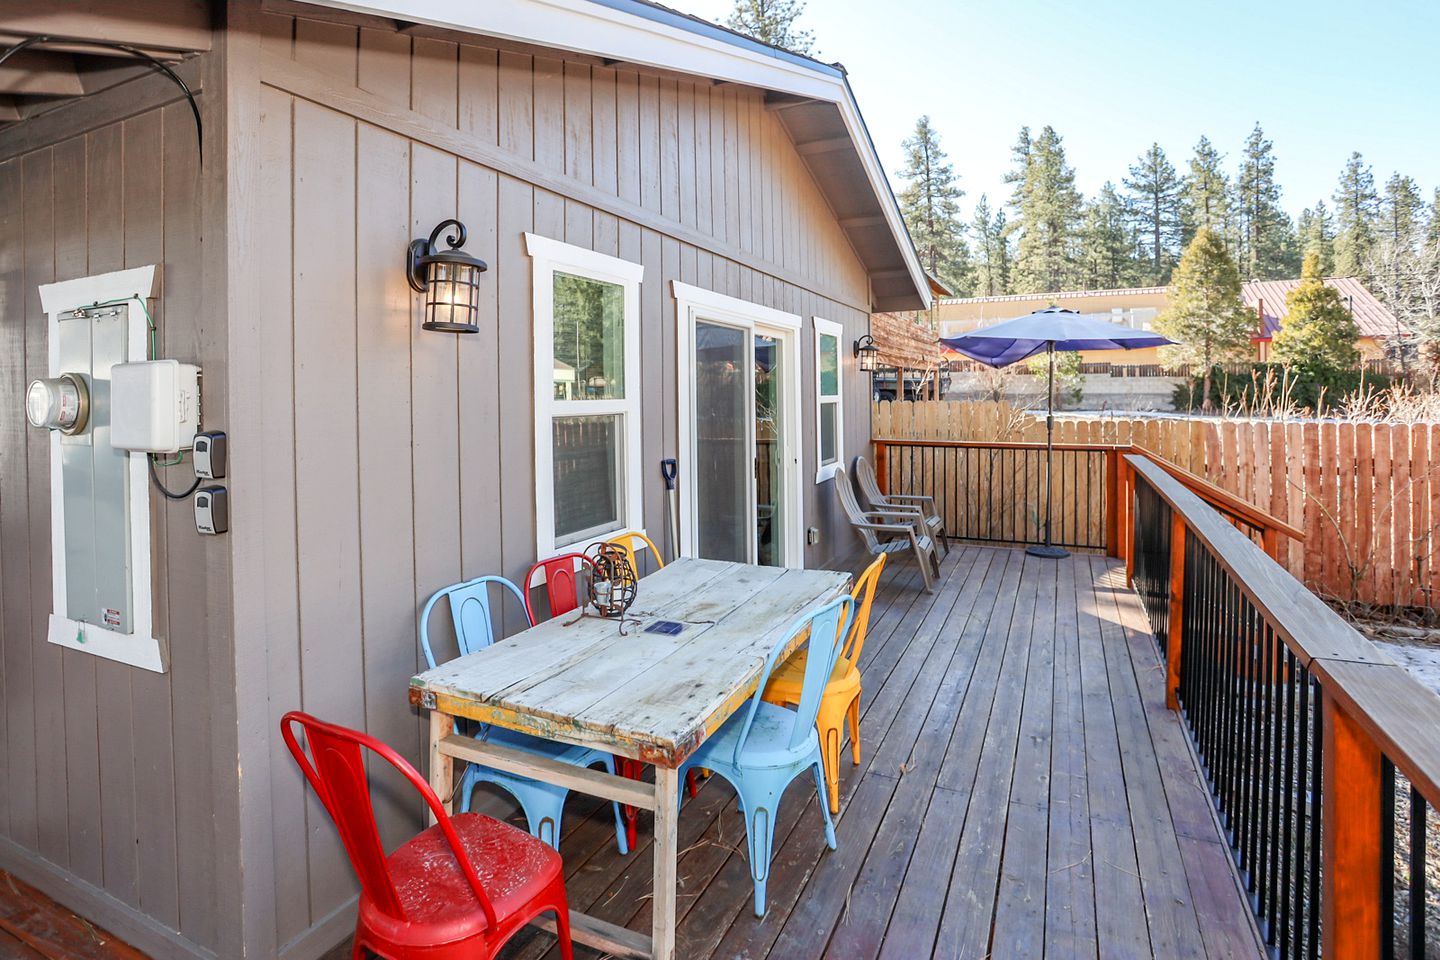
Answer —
(95, 477)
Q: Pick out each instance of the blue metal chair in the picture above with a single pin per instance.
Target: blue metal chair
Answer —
(762, 750)
(471, 612)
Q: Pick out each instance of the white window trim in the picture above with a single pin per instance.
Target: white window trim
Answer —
(827, 471)
(696, 303)
(139, 648)
(548, 257)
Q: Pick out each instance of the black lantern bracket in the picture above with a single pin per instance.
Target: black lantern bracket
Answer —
(866, 352)
(423, 252)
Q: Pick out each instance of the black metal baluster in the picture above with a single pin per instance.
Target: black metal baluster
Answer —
(1417, 873)
(1287, 836)
(1317, 736)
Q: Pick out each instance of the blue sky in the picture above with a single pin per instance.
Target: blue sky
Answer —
(1323, 78)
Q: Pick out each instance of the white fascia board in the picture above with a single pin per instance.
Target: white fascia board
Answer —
(598, 29)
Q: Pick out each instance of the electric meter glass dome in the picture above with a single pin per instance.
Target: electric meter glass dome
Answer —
(58, 403)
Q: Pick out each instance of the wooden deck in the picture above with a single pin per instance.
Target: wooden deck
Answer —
(1023, 792)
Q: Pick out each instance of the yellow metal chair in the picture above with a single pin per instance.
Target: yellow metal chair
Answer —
(627, 541)
(841, 702)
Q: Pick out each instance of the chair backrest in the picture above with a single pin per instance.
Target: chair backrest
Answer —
(853, 513)
(865, 478)
(627, 541)
(562, 583)
(864, 596)
(825, 627)
(335, 768)
(472, 613)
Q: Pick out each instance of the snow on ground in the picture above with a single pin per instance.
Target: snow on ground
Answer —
(1422, 660)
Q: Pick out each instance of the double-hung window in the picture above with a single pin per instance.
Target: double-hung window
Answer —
(587, 395)
(829, 415)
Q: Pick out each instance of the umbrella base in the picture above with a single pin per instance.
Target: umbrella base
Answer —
(1047, 551)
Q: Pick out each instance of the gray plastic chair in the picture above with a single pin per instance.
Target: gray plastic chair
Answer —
(890, 531)
(918, 503)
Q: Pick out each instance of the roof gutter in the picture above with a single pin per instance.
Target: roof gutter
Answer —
(654, 36)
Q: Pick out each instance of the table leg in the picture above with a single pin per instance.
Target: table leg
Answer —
(442, 765)
(667, 852)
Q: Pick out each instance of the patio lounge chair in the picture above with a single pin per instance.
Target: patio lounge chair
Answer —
(902, 531)
(920, 503)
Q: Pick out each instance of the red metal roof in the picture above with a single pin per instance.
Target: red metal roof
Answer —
(1372, 317)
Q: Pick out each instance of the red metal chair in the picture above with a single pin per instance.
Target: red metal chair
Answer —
(562, 583)
(562, 590)
(460, 889)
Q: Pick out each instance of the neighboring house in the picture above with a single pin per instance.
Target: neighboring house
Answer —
(1378, 326)
(670, 214)
(1138, 307)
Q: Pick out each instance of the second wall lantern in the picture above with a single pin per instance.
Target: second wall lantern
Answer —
(449, 279)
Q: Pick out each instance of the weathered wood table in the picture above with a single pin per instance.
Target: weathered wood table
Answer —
(648, 696)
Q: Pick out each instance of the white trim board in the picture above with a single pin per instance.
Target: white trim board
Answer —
(692, 304)
(548, 256)
(606, 30)
(824, 471)
(139, 648)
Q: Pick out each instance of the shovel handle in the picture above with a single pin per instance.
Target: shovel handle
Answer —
(669, 468)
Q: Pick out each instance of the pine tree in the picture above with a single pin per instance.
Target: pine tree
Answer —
(1318, 333)
(992, 251)
(1107, 245)
(1205, 201)
(1402, 210)
(1153, 198)
(1265, 246)
(1356, 206)
(930, 205)
(1432, 230)
(772, 22)
(1020, 153)
(1047, 214)
(1316, 231)
(1204, 313)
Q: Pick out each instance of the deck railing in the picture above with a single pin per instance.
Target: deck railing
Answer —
(1322, 756)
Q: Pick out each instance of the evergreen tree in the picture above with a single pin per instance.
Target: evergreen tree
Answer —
(992, 251)
(772, 22)
(1432, 231)
(1318, 334)
(1153, 198)
(1402, 210)
(1356, 205)
(1107, 246)
(1316, 231)
(1204, 314)
(1047, 214)
(1265, 241)
(1205, 200)
(1020, 153)
(930, 205)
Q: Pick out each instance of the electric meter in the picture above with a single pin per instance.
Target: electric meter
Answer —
(59, 403)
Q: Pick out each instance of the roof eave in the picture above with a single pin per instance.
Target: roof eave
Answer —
(648, 35)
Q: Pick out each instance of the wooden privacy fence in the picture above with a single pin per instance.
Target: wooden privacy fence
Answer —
(1319, 752)
(1366, 495)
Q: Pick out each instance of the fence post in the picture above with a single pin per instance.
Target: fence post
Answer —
(1177, 610)
(882, 465)
(1112, 502)
(1350, 831)
(1127, 530)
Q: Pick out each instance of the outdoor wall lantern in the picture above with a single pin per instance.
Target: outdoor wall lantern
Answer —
(867, 353)
(450, 280)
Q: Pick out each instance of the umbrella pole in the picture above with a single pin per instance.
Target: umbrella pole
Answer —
(1048, 549)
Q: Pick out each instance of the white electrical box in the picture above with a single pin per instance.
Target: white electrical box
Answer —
(154, 406)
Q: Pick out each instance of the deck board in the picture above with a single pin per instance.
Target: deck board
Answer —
(1023, 792)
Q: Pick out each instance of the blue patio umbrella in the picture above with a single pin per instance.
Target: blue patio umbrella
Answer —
(1049, 330)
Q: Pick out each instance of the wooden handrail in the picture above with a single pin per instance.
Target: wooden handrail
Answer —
(1371, 709)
